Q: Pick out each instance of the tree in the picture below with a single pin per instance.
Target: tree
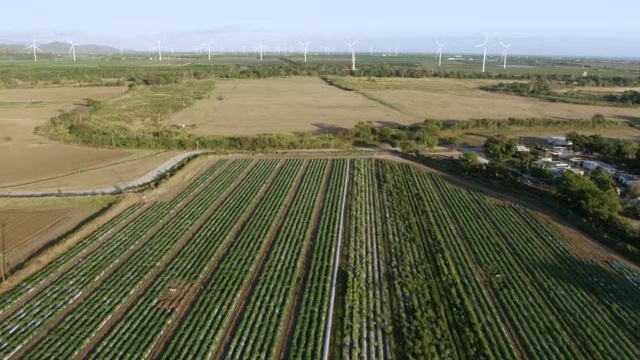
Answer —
(500, 147)
(626, 149)
(469, 159)
(583, 195)
(363, 131)
(603, 180)
(409, 146)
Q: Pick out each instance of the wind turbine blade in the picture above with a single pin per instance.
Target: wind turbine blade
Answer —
(501, 43)
(508, 46)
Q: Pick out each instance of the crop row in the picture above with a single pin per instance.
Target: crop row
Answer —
(76, 329)
(260, 328)
(535, 282)
(308, 333)
(367, 314)
(28, 285)
(199, 332)
(485, 316)
(38, 311)
(556, 277)
(136, 332)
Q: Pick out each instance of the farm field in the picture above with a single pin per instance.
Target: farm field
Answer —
(241, 264)
(26, 158)
(32, 223)
(460, 99)
(281, 105)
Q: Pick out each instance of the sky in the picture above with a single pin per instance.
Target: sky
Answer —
(541, 27)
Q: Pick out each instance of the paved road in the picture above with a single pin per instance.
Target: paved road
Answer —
(116, 189)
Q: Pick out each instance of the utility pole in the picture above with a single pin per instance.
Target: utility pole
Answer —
(3, 255)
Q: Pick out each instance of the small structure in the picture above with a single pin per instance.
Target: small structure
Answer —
(595, 165)
(550, 164)
(561, 153)
(523, 148)
(558, 141)
(626, 178)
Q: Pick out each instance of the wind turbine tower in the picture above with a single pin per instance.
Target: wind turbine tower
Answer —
(73, 49)
(504, 53)
(484, 46)
(35, 50)
(352, 47)
(440, 46)
(305, 48)
(159, 50)
(261, 49)
(208, 45)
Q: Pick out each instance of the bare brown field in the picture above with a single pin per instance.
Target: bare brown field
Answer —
(281, 105)
(98, 175)
(30, 224)
(26, 157)
(460, 99)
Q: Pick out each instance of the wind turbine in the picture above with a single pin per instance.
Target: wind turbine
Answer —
(209, 46)
(484, 46)
(352, 47)
(305, 48)
(504, 53)
(159, 47)
(260, 48)
(35, 50)
(439, 54)
(73, 49)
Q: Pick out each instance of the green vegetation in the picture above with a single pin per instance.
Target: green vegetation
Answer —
(543, 88)
(409, 138)
(501, 147)
(594, 198)
(242, 266)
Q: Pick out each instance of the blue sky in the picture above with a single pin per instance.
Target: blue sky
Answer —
(535, 27)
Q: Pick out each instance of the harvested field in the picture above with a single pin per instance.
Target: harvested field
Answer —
(281, 105)
(32, 223)
(26, 158)
(454, 99)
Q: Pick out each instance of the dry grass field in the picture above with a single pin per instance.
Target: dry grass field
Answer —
(27, 158)
(454, 99)
(281, 105)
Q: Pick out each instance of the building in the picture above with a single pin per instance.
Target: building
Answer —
(558, 141)
(595, 165)
(562, 153)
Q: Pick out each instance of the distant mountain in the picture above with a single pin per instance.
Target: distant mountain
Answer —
(63, 48)
(11, 48)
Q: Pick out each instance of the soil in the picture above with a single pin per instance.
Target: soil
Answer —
(26, 231)
(26, 157)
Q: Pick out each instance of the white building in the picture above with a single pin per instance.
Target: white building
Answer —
(558, 141)
(595, 165)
